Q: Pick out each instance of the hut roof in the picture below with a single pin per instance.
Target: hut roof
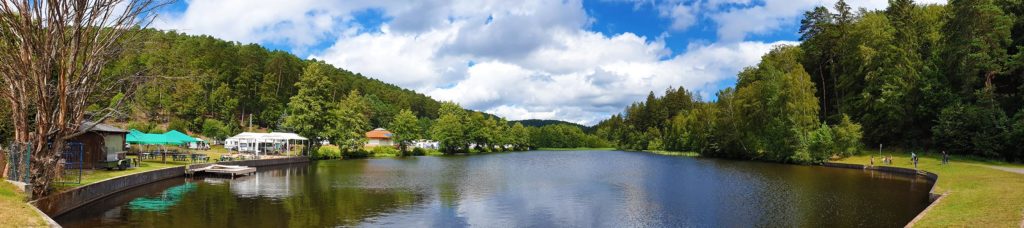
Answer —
(99, 128)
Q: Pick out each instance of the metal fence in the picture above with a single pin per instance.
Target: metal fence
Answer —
(18, 157)
(19, 166)
(73, 160)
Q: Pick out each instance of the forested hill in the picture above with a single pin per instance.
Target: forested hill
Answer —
(190, 79)
(541, 123)
(918, 77)
(218, 88)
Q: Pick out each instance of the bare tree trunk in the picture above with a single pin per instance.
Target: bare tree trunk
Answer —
(51, 54)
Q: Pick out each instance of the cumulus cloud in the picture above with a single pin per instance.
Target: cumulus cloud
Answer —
(591, 92)
(516, 59)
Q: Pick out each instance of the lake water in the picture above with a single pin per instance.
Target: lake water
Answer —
(521, 189)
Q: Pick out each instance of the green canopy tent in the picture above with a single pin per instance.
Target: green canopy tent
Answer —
(137, 137)
(134, 137)
(178, 136)
(175, 135)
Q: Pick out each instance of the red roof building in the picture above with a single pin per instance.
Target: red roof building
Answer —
(379, 137)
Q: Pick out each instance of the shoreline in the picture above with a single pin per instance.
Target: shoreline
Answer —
(935, 192)
(62, 202)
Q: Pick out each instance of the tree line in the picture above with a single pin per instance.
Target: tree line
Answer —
(919, 77)
(201, 82)
(772, 114)
(218, 88)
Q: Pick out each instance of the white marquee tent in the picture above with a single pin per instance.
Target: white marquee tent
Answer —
(263, 142)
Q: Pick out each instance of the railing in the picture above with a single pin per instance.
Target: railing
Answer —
(18, 158)
(73, 161)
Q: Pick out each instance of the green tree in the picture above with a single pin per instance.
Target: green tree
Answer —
(350, 123)
(821, 144)
(450, 130)
(214, 129)
(847, 136)
(520, 137)
(978, 129)
(406, 128)
(975, 41)
(309, 110)
(776, 105)
(226, 103)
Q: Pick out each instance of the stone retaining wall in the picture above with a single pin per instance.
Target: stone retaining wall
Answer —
(62, 202)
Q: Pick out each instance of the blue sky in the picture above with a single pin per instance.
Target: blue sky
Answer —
(572, 60)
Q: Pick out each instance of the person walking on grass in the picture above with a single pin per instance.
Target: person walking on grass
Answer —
(915, 160)
(945, 158)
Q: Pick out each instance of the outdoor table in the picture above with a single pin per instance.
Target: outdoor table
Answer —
(197, 157)
(180, 157)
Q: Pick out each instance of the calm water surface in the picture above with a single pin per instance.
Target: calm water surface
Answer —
(524, 189)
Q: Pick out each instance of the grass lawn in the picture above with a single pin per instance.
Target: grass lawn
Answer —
(15, 212)
(93, 176)
(976, 196)
(215, 152)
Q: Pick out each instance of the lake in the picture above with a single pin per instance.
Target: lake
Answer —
(521, 189)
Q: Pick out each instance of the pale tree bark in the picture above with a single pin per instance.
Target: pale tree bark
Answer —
(51, 54)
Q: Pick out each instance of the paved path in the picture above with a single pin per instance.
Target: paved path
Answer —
(1008, 169)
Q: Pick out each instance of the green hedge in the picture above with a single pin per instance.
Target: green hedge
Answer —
(385, 151)
(327, 152)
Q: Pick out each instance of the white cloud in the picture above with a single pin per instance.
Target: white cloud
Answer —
(516, 59)
(683, 16)
(591, 92)
(408, 60)
(737, 19)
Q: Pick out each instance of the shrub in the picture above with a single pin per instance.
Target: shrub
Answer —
(821, 143)
(418, 151)
(847, 135)
(327, 152)
(360, 153)
(385, 151)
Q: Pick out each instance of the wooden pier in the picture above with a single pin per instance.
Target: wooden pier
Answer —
(233, 170)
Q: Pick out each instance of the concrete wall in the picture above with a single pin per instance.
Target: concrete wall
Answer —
(933, 197)
(60, 203)
(927, 175)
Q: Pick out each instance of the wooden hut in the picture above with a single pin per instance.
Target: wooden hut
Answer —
(100, 144)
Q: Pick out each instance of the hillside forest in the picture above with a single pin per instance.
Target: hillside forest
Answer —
(216, 88)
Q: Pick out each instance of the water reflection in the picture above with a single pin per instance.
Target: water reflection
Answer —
(167, 199)
(578, 189)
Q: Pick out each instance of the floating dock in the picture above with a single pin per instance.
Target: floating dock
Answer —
(233, 170)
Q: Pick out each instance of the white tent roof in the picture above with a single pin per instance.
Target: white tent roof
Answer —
(267, 136)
